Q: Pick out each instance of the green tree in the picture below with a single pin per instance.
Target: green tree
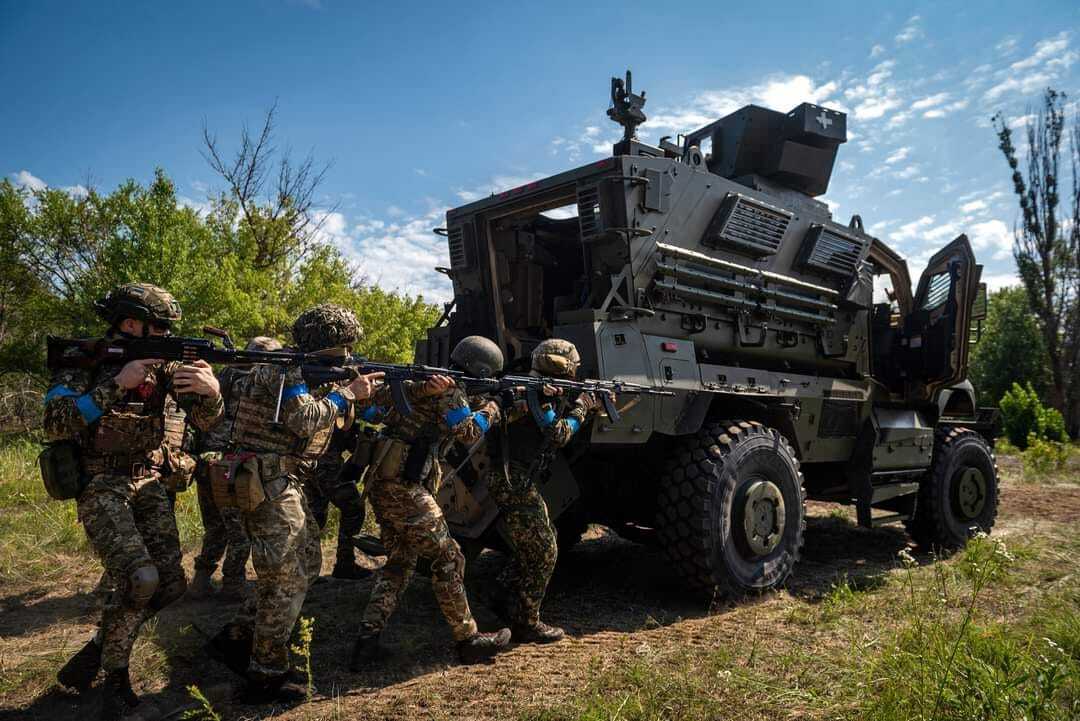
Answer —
(1011, 349)
(1046, 246)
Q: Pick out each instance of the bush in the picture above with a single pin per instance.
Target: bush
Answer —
(1043, 457)
(1024, 415)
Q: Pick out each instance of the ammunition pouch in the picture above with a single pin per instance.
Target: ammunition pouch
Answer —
(389, 458)
(122, 433)
(235, 482)
(61, 470)
(418, 462)
(177, 470)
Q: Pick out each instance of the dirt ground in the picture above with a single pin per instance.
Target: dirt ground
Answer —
(615, 598)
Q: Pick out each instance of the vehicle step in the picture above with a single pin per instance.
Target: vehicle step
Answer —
(889, 519)
(891, 490)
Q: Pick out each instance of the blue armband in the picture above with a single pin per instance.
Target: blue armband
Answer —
(60, 392)
(88, 409)
(300, 389)
(339, 400)
(574, 424)
(371, 413)
(455, 416)
(547, 418)
(481, 421)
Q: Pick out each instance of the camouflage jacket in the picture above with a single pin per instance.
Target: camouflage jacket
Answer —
(519, 438)
(81, 402)
(434, 418)
(217, 438)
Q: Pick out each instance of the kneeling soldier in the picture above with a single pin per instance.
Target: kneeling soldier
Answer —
(116, 416)
(403, 475)
(264, 479)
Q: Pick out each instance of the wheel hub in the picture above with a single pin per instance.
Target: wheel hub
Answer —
(969, 493)
(763, 517)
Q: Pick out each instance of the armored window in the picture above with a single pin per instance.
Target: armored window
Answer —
(460, 242)
(747, 225)
(937, 292)
(828, 250)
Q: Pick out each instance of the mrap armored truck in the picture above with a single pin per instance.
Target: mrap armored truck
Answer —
(801, 361)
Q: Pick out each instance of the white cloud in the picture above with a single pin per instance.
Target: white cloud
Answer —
(944, 110)
(930, 101)
(29, 181)
(877, 94)
(908, 231)
(973, 206)
(992, 235)
(1051, 56)
(912, 30)
(1008, 46)
(907, 173)
(877, 51)
(898, 155)
(997, 281)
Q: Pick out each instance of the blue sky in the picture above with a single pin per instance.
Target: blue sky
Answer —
(422, 106)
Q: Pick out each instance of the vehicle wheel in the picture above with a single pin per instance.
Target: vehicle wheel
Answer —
(731, 512)
(958, 496)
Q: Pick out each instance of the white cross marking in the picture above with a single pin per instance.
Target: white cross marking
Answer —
(825, 120)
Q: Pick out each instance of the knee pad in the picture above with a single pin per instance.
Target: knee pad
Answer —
(144, 583)
(168, 592)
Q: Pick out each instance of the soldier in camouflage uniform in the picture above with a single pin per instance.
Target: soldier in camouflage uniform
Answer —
(224, 533)
(520, 451)
(333, 483)
(403, 475)
(117, 416)
(284, 536)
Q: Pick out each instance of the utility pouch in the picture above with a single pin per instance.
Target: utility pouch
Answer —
(177, 469)
(389, 459)
(127, 433)
(417, 464)
(61, 470)
(235, 482)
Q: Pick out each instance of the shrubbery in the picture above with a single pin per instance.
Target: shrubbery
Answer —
(1024, 416)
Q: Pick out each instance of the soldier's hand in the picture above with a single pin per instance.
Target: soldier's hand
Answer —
(587, 402)
(364, 386)
(134, 373)
(198, 378)
(550, 390)
(436, 385)
(491, 408)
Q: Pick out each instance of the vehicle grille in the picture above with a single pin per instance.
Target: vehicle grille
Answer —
(588, 206)
(456, 240)
(747, 225)
(829, 251)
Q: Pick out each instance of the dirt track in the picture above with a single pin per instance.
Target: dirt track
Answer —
(614, 598)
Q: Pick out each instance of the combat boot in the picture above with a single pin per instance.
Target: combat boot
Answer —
(117, 696)
(200, 586)
(82, 668)
(538, 633)
(287, 688)
(366, 652)
(349, 570)
(482, 647)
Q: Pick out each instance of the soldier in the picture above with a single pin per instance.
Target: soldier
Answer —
(403, 475)
(333, 483)
(116, 416)
(224, 532)
(520, 453)
(274, 450)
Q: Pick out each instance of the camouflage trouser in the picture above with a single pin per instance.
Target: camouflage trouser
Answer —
(413, 527)
(224, 536)
(286, 556)
(525, 526)
(324, 488)
(130, 526)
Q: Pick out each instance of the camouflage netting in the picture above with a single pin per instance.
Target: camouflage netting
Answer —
(326, 326)
(140, 301)
(556, 357)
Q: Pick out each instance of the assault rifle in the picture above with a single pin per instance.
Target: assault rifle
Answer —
(318, 368)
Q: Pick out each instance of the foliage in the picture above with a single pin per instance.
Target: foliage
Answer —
(1011, 349)
(302, 648)
(1043, 457)
(1024, 416)
(1047, 242)
(204, 711)
(59, 252)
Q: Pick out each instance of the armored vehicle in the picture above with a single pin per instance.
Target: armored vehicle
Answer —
(803, 363)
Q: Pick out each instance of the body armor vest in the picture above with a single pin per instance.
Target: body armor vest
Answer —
(254, 429)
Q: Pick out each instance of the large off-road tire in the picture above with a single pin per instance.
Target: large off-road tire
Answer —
(731, 509)
(958, 495)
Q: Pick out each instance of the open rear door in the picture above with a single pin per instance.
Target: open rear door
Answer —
(936, 330)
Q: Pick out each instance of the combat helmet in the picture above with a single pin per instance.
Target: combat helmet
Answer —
(326, 326)
(478, 356)
(264, 343)
(140, 301)
(556, 357)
